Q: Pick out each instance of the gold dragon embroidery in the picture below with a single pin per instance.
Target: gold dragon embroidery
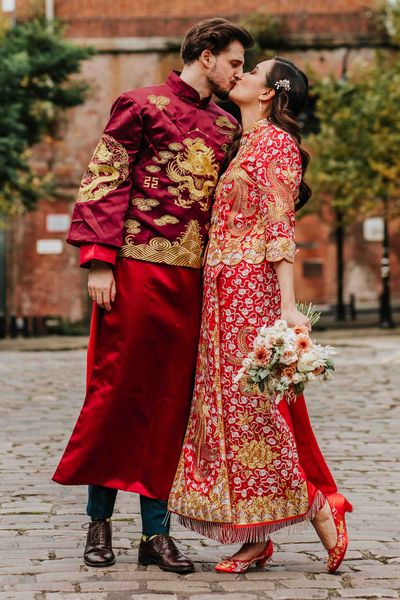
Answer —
(195, 170)
(108, 168)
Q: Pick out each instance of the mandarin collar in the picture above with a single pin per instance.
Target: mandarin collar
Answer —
(256, 126)
(185, 91)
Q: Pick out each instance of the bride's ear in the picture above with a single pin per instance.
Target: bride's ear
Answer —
(267, 95)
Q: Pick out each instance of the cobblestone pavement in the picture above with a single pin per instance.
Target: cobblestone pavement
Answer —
(357, 421)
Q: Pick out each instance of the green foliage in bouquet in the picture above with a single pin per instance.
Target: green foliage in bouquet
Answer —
(310, 311)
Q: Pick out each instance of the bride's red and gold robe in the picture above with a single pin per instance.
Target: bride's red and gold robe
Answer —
(247, 467)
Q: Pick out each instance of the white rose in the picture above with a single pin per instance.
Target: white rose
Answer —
(308, 361)
(311, 377)
(280, 325)
(297, 378)
(288, 358)
(259, 341)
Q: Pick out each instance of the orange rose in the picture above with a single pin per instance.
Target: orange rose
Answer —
(319, 370)
(288, 372)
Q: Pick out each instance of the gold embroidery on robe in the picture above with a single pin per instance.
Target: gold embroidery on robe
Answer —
(279, 248)
(265, 508)
(184, 252)
(245, 225)
(204, 453)
(256, 454)
(283, 201)
(176, 146)
(163, 157)
(108, 168)
(195, 170)
(160, 102)
(153, 169)
(226, 127)
(144, 204)
(166, 220)
(132, 226)
(242, 241)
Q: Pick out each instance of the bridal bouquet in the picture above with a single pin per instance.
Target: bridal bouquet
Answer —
(284, 359)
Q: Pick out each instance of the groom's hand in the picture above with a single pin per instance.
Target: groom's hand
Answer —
(101, 284)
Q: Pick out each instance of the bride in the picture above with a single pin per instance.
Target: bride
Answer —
(249, 467)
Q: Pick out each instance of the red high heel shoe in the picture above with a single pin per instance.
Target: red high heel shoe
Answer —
(231, 565)
(339, 506)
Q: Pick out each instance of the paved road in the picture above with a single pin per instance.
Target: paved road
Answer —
(357, 420)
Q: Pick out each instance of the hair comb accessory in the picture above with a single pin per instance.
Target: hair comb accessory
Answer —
(282, 84)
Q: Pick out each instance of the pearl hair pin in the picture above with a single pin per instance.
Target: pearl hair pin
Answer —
(282, 84)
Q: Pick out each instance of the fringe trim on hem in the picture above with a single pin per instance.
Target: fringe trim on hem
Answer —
(229, 533)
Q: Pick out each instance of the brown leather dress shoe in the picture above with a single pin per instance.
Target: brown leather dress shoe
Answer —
(162, 551)
(98, 551)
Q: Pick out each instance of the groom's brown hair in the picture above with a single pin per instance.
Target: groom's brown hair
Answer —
(215, 35)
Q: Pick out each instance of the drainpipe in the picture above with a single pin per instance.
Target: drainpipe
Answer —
(50, 10)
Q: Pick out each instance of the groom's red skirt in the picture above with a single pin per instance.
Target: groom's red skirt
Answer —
(141, 362)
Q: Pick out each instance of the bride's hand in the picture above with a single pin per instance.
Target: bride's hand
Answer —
(294, 317)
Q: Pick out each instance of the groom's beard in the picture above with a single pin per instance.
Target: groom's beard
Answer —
(220, 92)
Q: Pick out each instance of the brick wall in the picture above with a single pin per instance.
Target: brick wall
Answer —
(42, 285)
(183, 8)
(124, 18)
(34, 279)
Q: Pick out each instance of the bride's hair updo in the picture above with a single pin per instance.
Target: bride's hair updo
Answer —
(291, 86)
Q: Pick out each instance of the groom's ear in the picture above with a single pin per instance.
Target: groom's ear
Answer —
(207, 58)
(267, 94)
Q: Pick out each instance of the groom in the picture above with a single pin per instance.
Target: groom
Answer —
(140, 221)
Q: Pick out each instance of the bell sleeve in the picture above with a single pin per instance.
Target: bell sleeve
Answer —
(278, 174)
(104, 193)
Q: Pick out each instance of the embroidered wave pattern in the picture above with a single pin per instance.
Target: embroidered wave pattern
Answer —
(183, 252)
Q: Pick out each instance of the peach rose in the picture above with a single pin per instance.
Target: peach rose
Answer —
(288, 358)
(319, 370)
(299, 329)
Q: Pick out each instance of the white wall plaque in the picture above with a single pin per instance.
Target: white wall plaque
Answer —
(57, 222)
(49, 246)
(373, 229)
(8, 5)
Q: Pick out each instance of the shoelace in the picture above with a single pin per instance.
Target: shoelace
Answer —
(170, 540)
(97, 528)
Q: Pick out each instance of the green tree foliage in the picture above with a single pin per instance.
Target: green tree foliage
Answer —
(388, 20)
(356, 152)
(36, 65)
(267, 34)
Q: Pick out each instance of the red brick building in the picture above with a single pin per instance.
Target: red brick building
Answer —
(137, 43)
